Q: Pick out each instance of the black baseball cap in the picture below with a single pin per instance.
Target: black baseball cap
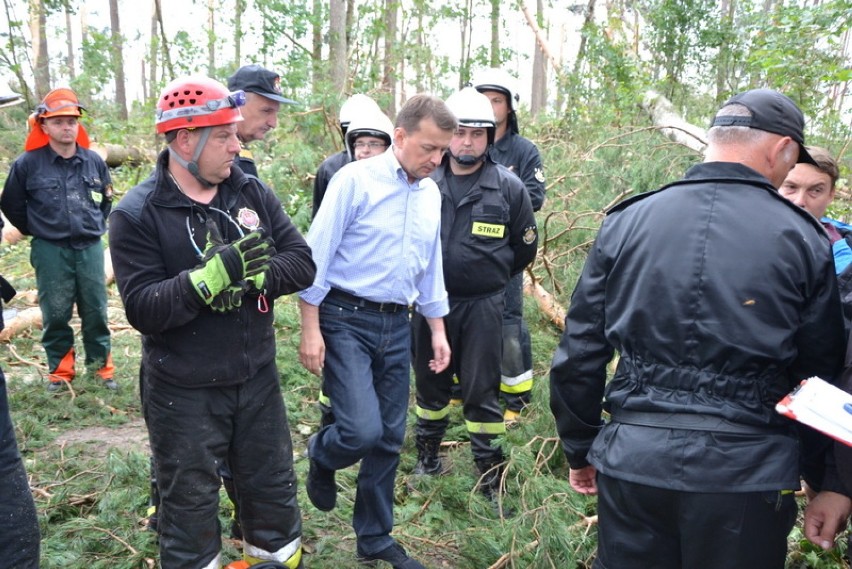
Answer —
(770, 111)
(257, 79)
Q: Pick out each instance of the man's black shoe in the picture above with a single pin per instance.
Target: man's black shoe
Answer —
(321, 487)
(395, 555)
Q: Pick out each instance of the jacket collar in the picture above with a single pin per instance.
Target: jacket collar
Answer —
(166, 192)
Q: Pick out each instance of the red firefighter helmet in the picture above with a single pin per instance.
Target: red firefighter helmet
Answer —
(197, 102)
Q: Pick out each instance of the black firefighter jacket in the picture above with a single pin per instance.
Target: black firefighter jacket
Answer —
(719, 295)
(155, 236)
(489, 236)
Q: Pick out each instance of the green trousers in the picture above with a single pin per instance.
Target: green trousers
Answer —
(65, 277)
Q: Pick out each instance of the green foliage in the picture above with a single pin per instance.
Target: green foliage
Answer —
(676, 35)
(802, 42)
(97, 67)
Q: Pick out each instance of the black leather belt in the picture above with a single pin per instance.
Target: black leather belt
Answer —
(342, 296)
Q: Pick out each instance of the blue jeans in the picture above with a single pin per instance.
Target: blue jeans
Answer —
(366, 376)
(19, 531)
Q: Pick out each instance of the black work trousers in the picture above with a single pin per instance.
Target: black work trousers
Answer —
(193, 432)
(643, 527)
(474, 332)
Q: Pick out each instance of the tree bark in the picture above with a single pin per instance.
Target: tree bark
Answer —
(41, 71)
(496, 60)
(153, 56)
(24, 320)
(672, 124)
(389, 71)
(158, 15)
(554, 311)
(337, 52)
(316, 46)
(69, 43)
(540, 39)
(466, 38)
(211, 38)
(581, 50)
(118, 60)
(240, 7)
(115, 155)
(538, 101)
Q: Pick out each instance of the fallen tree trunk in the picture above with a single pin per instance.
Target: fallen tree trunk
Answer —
(115, 155)
(672, 124)
(546, 301)
(25, 320)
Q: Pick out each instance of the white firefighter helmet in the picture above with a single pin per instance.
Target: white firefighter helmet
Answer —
(495, 79)
(473, 110)
(355, 106)
(370, 123)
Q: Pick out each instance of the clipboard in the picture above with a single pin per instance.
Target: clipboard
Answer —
(822, 406)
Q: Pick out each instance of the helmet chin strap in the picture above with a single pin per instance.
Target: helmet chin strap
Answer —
(467, 159)
(192, 165)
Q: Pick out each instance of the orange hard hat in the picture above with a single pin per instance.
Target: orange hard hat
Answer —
(37, 137)
(61, 102)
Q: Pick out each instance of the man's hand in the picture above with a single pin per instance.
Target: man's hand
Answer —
(312, 351)
(440, 347)
(825, 517)
(583, 480)
(312, 344)
(229, 299)
(247, 257)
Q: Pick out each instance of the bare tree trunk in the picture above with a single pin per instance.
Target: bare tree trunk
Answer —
(337, 51)
(158, 14)
(10, 57)
(118, 60)
(41, 69)
(495, 34)
(316, 46)
(540, 39)
(211, 38)
(350, 20)
(69, 43)
(240, 7)
(419, 73)
(581, 50)
(153, 55)
(466, 37)
(538, 100)
(388, 74)
(727, 8)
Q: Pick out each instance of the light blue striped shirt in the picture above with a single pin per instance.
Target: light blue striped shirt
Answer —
(377, 236)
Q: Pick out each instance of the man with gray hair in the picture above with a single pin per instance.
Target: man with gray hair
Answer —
(715, 321)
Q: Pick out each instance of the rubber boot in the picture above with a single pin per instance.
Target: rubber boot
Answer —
(490, 484)
(428, 461)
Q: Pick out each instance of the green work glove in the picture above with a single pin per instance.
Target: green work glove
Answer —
(256, 283)
(229, 299)
(246, 257)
